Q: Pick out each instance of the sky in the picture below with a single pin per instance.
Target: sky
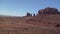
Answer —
(21, 7)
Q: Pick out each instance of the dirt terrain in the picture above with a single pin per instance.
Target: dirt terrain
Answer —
(38, 24)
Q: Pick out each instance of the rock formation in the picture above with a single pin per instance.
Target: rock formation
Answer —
(48, 10)
(34, 14)
(28, 14)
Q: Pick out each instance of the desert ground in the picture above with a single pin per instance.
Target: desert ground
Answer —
(37, 24)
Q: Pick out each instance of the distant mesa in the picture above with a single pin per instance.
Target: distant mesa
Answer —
(48, 10)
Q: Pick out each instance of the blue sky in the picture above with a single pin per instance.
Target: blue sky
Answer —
(21, 7)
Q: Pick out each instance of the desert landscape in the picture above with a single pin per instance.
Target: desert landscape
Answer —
(47, 21)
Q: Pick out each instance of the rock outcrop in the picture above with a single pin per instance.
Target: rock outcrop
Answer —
(48, 10)
(34, 14)
(28, 14)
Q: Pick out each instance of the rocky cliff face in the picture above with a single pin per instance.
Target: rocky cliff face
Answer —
(48, 10)
(28, 14)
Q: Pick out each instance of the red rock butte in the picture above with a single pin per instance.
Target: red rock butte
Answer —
(48, 10)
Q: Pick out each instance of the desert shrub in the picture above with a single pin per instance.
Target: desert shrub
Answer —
(57, 25)
(25, 29)
(30, 20)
